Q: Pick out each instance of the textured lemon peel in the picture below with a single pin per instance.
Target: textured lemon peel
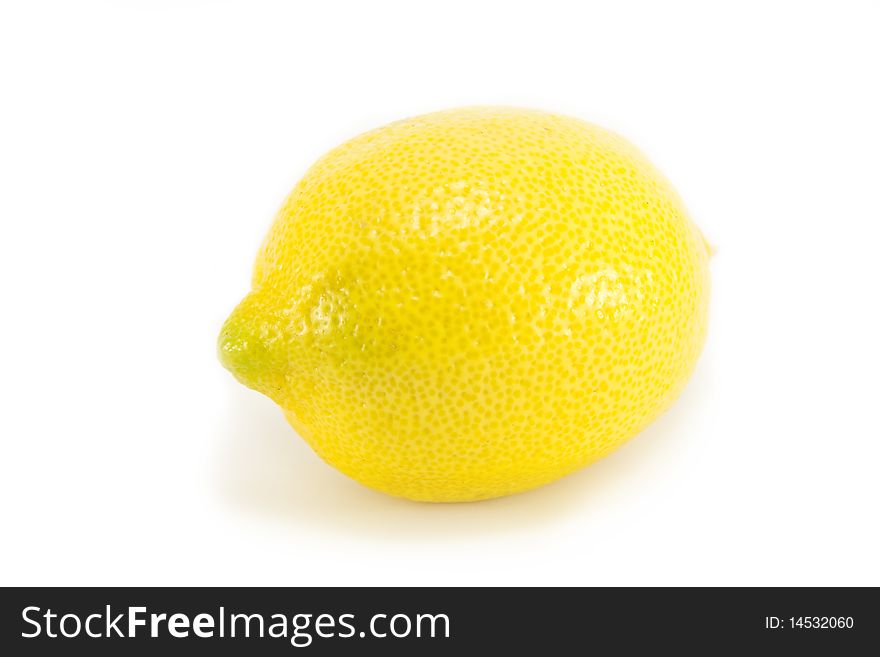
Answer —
(473, 303)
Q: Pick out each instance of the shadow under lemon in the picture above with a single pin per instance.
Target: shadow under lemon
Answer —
(266, 468)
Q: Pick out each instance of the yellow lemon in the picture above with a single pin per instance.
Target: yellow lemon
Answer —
(474, 302)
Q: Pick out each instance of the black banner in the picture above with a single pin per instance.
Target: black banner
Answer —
(114, 621)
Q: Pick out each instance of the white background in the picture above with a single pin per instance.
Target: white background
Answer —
(144, 148)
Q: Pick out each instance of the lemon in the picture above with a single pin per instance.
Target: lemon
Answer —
(473, 303)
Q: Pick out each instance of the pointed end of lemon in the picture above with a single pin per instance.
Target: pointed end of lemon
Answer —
(234, 349)
(242, 347)
(248, 346)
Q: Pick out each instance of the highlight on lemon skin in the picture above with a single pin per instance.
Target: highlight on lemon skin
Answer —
(473, 303)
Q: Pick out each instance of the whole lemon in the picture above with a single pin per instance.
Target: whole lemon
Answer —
(473, 303)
